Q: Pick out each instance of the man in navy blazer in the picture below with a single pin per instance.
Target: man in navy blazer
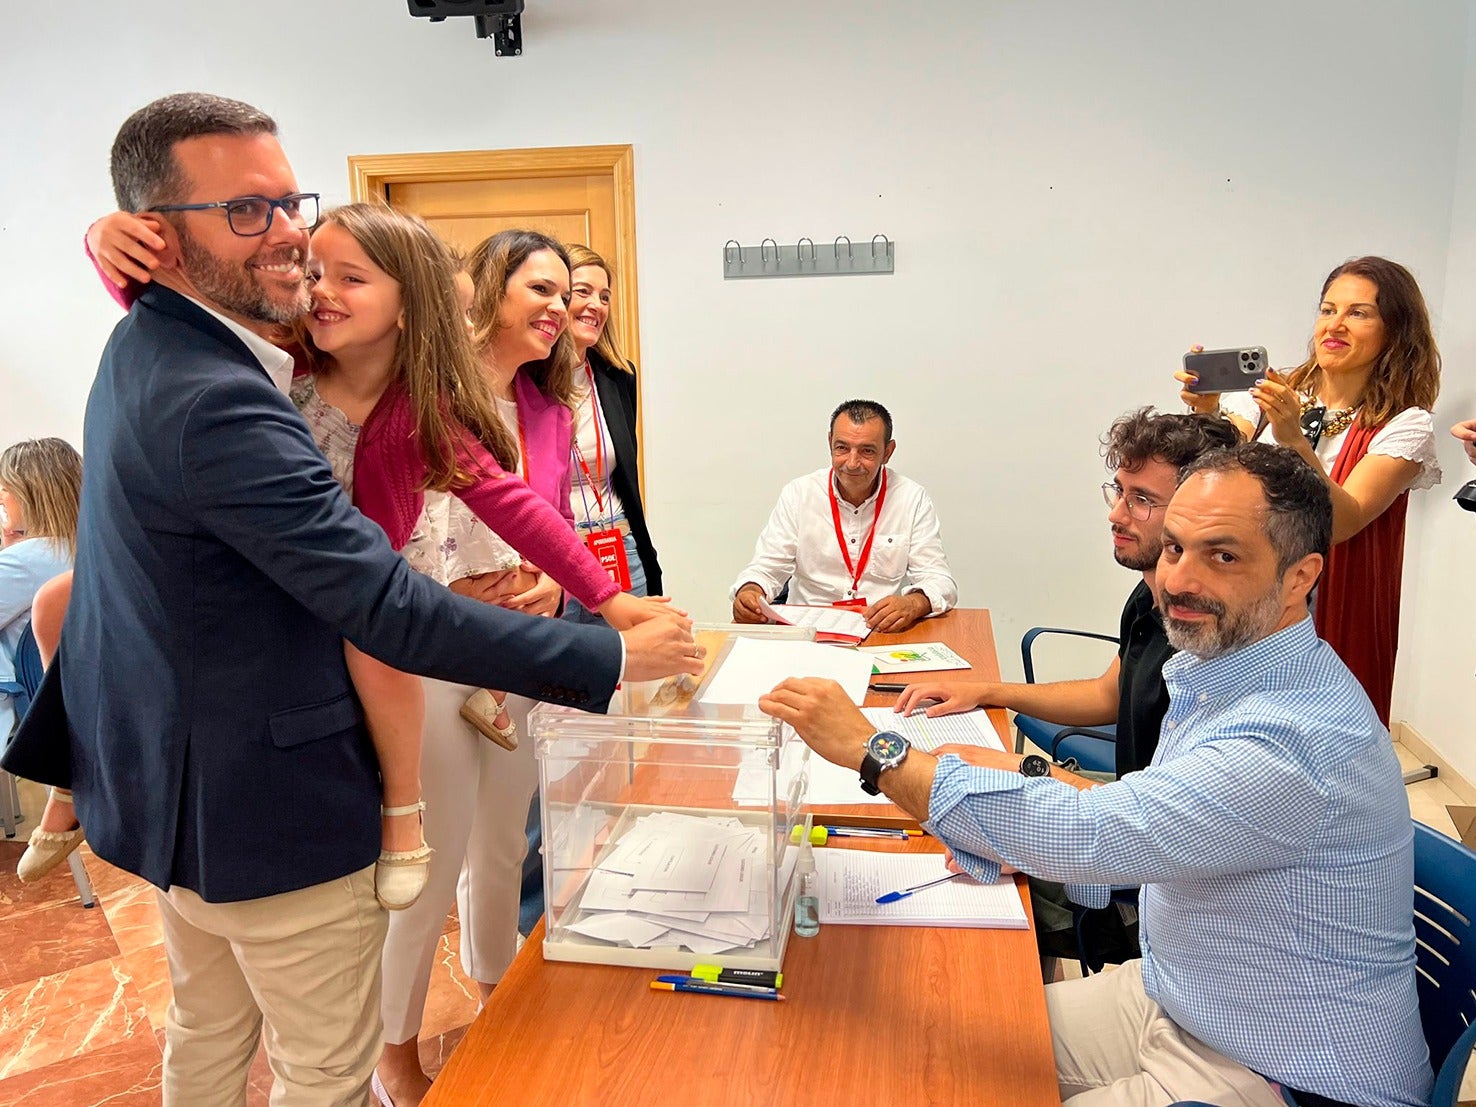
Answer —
(200, 696)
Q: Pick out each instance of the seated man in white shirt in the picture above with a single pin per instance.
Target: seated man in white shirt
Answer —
(855, 534)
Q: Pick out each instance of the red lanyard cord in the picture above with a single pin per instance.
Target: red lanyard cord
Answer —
(593, 478)
(859, 568)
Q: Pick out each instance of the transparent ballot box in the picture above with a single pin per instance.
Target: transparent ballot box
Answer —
(666, 834)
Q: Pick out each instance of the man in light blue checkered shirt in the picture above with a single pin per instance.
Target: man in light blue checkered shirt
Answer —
(1271, 833)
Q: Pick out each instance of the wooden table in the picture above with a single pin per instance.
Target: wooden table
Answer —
(872, 1015)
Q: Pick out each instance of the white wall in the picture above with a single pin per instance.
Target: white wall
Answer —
(1435, 689)
(1078, 192)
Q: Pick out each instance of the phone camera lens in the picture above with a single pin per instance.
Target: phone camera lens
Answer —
(1244, 356)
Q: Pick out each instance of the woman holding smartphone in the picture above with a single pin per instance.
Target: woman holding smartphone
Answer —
(1358, 410)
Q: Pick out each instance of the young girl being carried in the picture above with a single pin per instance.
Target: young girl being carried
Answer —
(396, 399)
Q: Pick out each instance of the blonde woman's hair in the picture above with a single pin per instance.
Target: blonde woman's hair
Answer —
(491, 265)
(608, 347)
(45, 475)
(434, 357)
(1407, 373)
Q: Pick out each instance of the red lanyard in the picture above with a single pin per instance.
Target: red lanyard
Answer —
(860, 566)
(594, 411)
(523, 448)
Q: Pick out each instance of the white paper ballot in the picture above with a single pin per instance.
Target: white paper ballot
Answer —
(825, 784)
(969, 728)
(675, 879)
(851, 880)
(755, 665)
(842, 621)
(619, 928)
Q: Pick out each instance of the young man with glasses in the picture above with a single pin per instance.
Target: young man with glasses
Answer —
(1147, 452)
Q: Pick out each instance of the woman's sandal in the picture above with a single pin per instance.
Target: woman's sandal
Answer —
(400, 875)
(481, 710)
(48, 848)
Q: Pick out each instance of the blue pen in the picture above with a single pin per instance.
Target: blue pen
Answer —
(870, 832)
(707, 989)
(893, 897)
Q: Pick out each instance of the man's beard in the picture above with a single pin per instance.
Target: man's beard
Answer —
(1225, 633)
(1146, 557)
(238, 290)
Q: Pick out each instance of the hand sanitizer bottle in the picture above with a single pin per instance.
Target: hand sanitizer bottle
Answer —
(807, 898)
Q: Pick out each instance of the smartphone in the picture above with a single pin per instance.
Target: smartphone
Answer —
(1226, 370)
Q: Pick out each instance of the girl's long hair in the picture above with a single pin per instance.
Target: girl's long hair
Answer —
(434, 356)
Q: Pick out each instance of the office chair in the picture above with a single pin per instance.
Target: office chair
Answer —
(1445, 958)
(1095, 748)
(1102, 937)
(1445, 955)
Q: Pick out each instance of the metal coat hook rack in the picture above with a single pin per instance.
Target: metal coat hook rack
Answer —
(803, 259)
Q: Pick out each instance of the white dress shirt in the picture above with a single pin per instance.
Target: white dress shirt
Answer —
(277, 362)
(799, 545)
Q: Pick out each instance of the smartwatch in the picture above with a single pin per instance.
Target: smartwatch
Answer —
(1034, 765)
(886, 749)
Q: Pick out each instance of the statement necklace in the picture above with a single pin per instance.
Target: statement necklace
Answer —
(1333, 421)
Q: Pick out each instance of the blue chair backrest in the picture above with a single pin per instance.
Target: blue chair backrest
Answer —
(1445, 953)
(1445, 956)
(28, 673)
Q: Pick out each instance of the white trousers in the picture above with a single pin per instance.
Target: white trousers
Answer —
(1116, 1048)
(476, 807)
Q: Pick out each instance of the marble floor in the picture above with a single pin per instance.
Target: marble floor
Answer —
(83, 992)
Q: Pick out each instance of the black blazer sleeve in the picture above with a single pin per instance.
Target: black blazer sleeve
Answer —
(618, 393)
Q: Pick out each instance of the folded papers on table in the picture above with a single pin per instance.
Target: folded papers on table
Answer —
(682, 880)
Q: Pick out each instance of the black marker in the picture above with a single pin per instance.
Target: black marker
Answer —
(887, 687)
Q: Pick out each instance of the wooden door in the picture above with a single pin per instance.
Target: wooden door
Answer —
(570, 209)
(581, 194)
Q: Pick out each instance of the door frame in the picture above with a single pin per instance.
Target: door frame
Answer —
(371, 175)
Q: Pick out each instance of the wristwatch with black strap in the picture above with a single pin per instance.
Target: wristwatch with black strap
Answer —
(886, 749)
(1033, 764)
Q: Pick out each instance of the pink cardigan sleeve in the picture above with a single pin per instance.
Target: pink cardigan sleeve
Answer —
(389, 473)
(125, 295)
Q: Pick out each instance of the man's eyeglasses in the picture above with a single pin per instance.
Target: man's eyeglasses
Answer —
(1139, 506)
(250, 216)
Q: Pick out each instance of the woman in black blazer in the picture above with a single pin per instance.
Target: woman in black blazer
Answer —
(605, 460)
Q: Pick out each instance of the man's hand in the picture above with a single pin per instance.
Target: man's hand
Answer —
(541, 599)
(746, 604)
(953, 696)
(895, 614)
(824, 716)
(986, 758)
(661, 647)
